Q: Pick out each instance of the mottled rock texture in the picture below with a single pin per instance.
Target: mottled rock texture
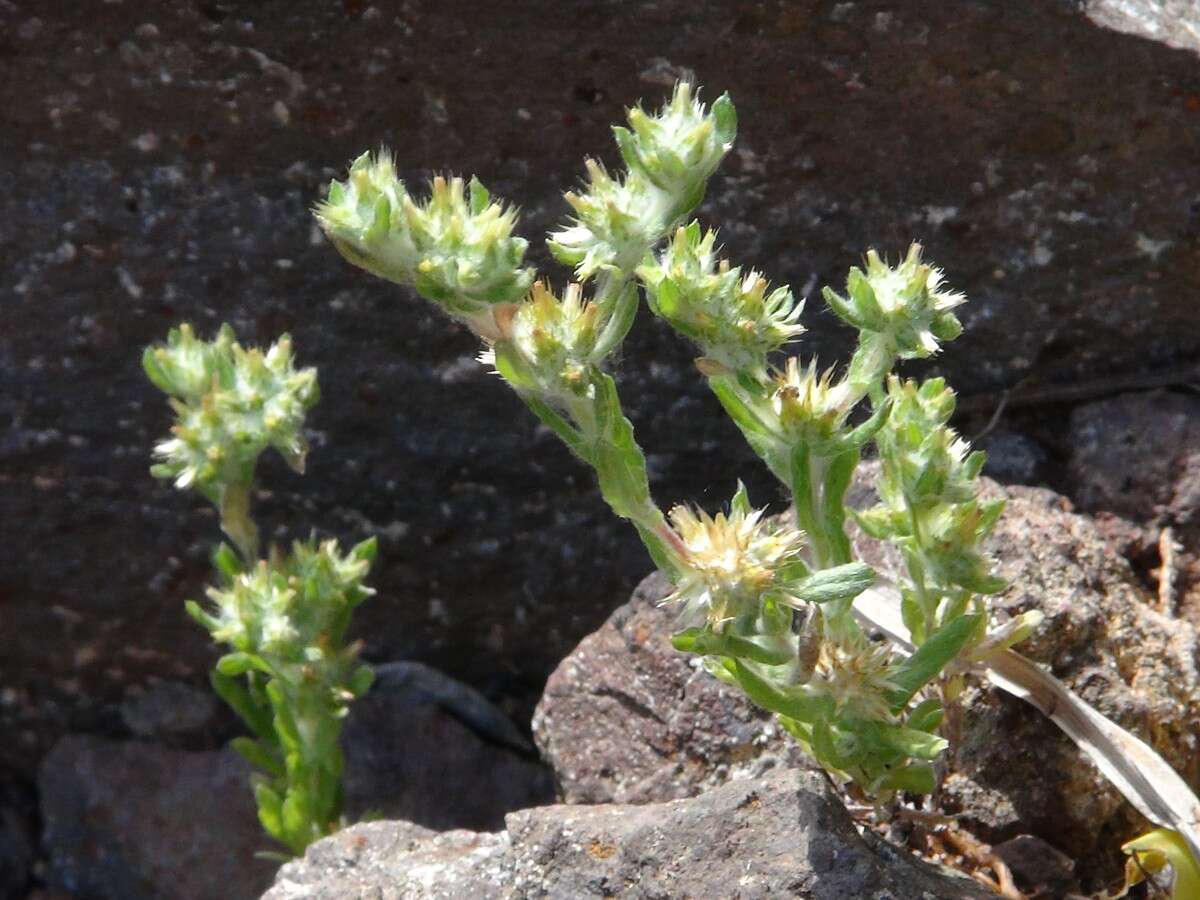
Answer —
(627, 718)
(141, 821)
(783, 835)
(1134, 461)
(157, 163)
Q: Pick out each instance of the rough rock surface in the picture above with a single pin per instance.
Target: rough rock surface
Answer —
(157, 164)
(626, 719)
(1013, 771)
(783, 835)
(428, 749)
(1138, 455)
(134, 821)
(131, 820)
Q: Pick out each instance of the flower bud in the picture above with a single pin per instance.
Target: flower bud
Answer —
(548, 344)
(456, 249)
(680, 147)
(906, 304)
(230, 405)
(616, 221)
(731, 316)
(292, 610)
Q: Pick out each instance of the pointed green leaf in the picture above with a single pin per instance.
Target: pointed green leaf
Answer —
(839, 583)
(706, 643)
(930, 658)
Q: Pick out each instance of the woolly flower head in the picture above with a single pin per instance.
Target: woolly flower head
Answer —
(615, 219)
(731, 315)
(546, 343)
(290, 609)
(907, 303)
(679, 147)
(456, 249)
(810, 406)
(729, 562)
(230, 404)
(856, 673)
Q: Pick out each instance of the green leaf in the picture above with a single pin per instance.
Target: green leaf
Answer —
(239, 699)
(628, 146)
(930, 658)
(725, 118)
(270, 811)
(624, 312)
(366, 550)
(926, 715)
(361, 680)
(240, 663)
(480, 197)
(226, 561)
(841, 308)
(916, 778)
(795, 703)
(196, 611)
(839, 583)
(909, 741)
(258, 755)
(297, 812)
(707, 643)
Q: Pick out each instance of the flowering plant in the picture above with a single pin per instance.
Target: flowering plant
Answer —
(288, 671)
(767, 604)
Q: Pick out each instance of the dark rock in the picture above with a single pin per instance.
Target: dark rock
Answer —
(1040, 870)
(127, 821)
(627, 719)
(158, 162)
(783, 835)
(18, 837)
(1138, 455)
(1013, 458)
(169, 710)
(428, 749)
(1135, 461)
(1012, 772)
(133, 820)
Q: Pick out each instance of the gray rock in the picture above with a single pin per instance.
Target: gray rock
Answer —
(1039, 870)
(783, 835)
(1173, 22)
(1138, 455)
(125, 821)
(134, 821)
(625, 716)
(158, 164)
(428, 749)
(170, 710)
(1013, 458)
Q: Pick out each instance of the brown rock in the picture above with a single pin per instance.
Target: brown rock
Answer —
(618, 713)
(626, 719)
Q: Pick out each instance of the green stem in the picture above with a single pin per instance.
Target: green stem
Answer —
(236, 521)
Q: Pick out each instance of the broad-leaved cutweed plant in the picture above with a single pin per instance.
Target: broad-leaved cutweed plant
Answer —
(288, 671)
(767, 604)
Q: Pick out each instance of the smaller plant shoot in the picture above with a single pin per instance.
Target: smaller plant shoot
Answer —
(287, 670)
(768, 605)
